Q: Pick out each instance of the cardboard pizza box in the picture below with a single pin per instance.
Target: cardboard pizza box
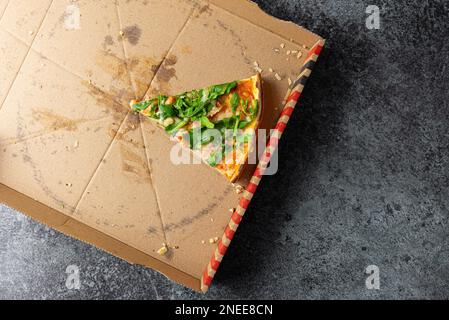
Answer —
(73, 156)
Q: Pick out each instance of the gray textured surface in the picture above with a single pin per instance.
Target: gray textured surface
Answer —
(364, 179)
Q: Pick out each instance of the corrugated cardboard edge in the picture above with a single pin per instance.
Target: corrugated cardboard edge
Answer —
(290, 102)
(82, 232)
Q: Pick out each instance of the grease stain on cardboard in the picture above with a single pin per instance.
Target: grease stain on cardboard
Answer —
(108, 100)
(164, 75)
(138, 69)
(134, 165)
(53, 122)
(132, 34)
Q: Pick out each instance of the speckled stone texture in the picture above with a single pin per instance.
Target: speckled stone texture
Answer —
(363, 180)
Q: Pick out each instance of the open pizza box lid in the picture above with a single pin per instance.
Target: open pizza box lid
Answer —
(73, 157)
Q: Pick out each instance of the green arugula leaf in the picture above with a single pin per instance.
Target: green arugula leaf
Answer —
(231, 86)
(254, 110)
(235, 102)
(141, 106)
(173, 128)
(161, 100)
(244, 123)
(245, 104)
(215, 158)
(221, 89)
(236, 126)
(166, 111)
(205, 122)
(227, 123)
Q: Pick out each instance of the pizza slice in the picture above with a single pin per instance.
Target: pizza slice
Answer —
(218, 123)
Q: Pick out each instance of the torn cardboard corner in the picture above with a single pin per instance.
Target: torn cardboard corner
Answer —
(74, 158)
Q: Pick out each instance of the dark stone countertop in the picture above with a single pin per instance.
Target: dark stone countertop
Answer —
(363, 180)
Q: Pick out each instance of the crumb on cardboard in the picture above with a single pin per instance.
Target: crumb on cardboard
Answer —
(214, 240)
(239, 188)
(163, 250)
(257, 67)
(278, 77)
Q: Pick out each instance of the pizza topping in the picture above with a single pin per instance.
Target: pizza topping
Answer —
(170, 101)
(177, 112)
(132, 103)
(235, 101)
(167, 122)
(250, 111)
(215, 110)
(228, 108)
